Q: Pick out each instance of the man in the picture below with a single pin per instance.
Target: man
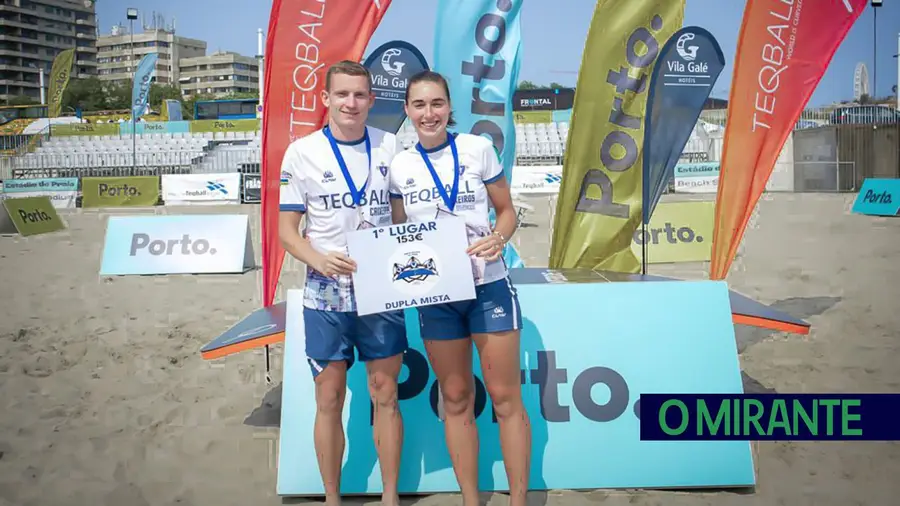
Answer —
(338, 178)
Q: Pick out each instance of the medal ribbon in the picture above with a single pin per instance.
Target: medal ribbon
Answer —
(449, 200)
(355, 194)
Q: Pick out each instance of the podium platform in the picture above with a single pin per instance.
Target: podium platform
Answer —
(590, 346)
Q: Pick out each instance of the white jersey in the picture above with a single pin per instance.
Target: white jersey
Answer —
(412, 181)
(313, 183)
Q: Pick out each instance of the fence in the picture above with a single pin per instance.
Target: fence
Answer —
(841, 157)
(218, 161)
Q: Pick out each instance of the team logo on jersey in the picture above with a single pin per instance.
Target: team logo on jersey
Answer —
(383, 169)
(328, 177)
(285, 178)
(410, 182)
(414, 270)
(462, 168)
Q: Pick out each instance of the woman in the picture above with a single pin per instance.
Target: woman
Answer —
(459, 174)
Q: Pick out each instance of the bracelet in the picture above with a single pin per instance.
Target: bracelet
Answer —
(498, 234)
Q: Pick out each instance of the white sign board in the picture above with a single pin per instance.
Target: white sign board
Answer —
(177, 244)
(182, 189)
(411, 265)
(538, 179)
(697, 177)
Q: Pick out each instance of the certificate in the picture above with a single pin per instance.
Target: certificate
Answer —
(411, 265)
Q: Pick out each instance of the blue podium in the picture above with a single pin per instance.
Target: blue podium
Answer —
(590, 348)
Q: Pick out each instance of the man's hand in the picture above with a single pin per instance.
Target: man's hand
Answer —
(335, 263)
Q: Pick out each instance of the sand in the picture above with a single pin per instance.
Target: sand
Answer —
(106, 401)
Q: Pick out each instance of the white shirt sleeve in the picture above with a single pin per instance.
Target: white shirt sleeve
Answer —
(293, 187)
(491, 168)
(394, 183)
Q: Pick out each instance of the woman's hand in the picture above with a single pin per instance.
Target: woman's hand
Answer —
(489, 248)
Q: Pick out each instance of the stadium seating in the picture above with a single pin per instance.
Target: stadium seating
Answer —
(536, 143)
(220, 152)
(159, 153)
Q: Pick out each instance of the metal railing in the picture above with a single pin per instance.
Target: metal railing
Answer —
(825, 177)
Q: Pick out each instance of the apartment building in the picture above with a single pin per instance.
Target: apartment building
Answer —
(33, 32)
(220, 73)
(114, 53)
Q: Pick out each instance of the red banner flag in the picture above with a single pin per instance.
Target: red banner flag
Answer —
(305, 38)
(783, 50)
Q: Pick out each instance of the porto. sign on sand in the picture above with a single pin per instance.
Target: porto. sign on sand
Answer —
(183, 244)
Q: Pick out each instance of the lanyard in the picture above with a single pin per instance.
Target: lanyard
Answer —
(449, 200)
(355, 194)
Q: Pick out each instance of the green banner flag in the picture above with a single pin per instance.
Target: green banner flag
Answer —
(599, 206)
(59, 79)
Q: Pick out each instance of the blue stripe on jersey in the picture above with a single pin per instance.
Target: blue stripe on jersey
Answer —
(493, 179)
(292, 207)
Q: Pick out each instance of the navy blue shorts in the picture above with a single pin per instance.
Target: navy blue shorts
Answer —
(494, 309)
(331, 336)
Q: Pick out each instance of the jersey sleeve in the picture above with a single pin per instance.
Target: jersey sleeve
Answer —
(292, 196)
(394, 183)
(491, 168)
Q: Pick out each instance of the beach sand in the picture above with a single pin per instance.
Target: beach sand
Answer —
(105, 400)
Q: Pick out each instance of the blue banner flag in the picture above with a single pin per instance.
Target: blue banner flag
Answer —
(687, 68)
(140, 92)
(478, 48)
(770, 417)
(391, 66)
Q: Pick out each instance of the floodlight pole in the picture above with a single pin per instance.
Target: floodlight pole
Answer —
(132, 14)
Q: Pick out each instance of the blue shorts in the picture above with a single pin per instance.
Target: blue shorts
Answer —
(331, 336)
(494, 309)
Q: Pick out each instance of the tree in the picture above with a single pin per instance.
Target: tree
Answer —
(86, 94)
(527, 85)
(22, 100)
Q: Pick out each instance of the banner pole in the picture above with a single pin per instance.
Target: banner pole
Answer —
(643, 248)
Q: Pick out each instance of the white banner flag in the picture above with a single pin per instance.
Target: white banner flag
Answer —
(180, 189)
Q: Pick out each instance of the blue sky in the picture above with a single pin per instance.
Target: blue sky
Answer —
(553, 37)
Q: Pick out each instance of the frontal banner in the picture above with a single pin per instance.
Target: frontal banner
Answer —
(181, 189)
(177, 244)
(783, 50)
(582, 391)
(599, 205)
(128, 191)
(62, 191)
(391, 66)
